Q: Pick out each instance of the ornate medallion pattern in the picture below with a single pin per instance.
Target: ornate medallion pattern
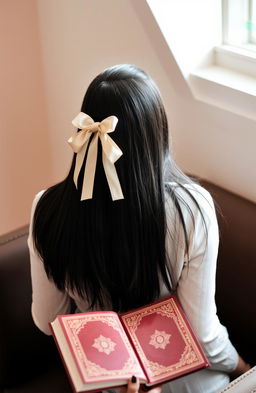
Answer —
(160, 339)
(104, 344)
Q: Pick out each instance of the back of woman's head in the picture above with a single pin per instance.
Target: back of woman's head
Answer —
(142, 132)
(113, 252)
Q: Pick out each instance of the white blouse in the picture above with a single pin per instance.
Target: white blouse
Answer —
(195, 287)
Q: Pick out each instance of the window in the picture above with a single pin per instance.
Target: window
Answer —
(239, 23)
(252, 22)
(218, 68)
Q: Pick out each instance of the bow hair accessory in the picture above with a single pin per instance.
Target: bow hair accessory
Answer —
(110, 153)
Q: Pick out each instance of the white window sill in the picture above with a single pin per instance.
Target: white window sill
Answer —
(232, 89)
(220, 75)
(241, 59)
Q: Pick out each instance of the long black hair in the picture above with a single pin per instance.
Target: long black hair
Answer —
(114, 251)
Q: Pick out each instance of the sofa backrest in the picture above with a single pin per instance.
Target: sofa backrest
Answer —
(236, 271)
(24, 350)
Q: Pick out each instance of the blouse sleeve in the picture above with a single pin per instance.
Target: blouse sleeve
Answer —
(196, 286)
(47, 300)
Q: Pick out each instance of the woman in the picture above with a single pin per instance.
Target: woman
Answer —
(131, 230)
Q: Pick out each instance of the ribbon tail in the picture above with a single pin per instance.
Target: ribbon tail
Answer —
(90, 168)
(110, 148)
(79, 162)
(112, 178)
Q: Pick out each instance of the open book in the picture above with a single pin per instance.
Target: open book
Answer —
(103, 349)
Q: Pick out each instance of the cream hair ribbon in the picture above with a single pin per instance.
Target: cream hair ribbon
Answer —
(110, 153)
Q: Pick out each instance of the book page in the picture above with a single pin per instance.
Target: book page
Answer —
(163, 340)
(100, 347)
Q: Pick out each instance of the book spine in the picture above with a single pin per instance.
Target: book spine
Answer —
(134, 348)
(63, 360)
(186, 321)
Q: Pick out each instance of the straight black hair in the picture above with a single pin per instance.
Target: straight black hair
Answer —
(113, 252)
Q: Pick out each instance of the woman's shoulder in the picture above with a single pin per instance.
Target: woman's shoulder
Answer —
(190, 189)
(34, 204)
(37, 197)
(193, 196)
(39, 194)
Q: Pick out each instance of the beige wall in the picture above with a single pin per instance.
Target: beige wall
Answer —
(25, 164)
(79, 39)
(51, 54)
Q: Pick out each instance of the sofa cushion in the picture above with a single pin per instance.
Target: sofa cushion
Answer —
(52, 380)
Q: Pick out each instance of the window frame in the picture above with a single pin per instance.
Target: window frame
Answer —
(238, 24)
(252, 22)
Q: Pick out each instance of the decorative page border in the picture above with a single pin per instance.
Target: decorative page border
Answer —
(192, 357)
(90, 371)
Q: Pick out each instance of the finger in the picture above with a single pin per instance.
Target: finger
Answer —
(133, 385)
(157, 389)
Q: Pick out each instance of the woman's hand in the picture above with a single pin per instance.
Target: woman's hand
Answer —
(134, 387)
